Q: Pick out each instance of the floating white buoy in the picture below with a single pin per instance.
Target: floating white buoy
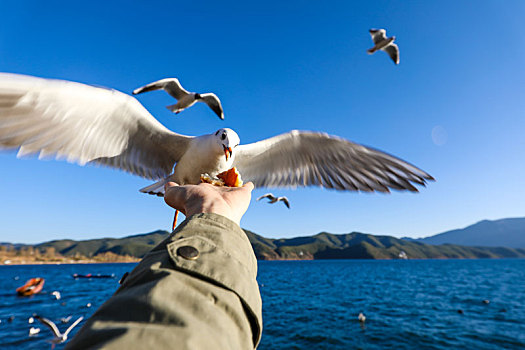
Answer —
(30, 320)
(88, 305)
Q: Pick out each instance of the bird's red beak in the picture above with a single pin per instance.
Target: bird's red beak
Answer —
(227, 152)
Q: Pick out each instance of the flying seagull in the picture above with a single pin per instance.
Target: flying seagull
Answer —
(59, 337)
(383, 43)
(185, 99)
(92, 125)
(273, 199)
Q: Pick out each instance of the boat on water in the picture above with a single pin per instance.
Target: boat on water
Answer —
(90, 275)
(32, 286)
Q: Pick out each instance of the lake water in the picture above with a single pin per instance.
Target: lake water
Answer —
(314, 304)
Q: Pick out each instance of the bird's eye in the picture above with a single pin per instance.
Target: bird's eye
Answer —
(223, 137)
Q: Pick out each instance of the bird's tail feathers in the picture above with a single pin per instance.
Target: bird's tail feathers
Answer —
(174, 108)
(371, 51)
(155, 189)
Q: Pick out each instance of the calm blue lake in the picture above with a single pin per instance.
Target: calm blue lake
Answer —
(314, 304)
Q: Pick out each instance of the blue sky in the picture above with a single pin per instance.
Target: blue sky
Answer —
(279, 66)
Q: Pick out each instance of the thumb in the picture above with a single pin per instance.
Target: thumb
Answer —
(174, 195)
(249, 186)
(169, 184)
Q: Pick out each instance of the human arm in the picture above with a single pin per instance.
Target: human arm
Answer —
(174, 299)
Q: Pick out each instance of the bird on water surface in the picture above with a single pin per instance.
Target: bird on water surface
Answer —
(34, 331)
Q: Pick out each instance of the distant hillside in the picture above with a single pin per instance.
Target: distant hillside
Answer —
(324, 245)
(136, 246)
(357, 245)
(486, 233)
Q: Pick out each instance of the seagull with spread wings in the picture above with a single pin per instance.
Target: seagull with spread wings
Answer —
(92, 125)
(381, 42)
(185, 98)
(272, 199)
(59, 337)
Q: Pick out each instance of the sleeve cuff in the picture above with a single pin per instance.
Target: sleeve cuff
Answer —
(215, 248)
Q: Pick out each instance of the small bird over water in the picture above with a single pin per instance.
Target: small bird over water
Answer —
(361, 317)
(273, 199)
(385, 44)
(59, 337)
(185, 98)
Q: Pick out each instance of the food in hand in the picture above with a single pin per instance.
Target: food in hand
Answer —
(230, 178)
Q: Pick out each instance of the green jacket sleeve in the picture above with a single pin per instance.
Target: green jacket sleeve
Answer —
(195, 290)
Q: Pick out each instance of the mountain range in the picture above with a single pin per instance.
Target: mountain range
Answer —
(497, 233)
(485, 239)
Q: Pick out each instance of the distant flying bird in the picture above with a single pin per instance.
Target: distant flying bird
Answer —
(185, 98)
(86, 124)
(56, 294)
(59, 337)
(361, 317)
(273, 199)
(385, 44)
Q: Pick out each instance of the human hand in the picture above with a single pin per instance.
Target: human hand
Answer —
(231, 202)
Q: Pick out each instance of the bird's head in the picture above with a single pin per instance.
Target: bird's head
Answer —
(197, 96)
(227, 139)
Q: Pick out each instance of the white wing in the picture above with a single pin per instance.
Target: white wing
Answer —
(73, 326)
(285, 200)
(301, 158)
(171, 85)
(214, 103)
(50, 324)
(378, 35)
(84, 124)
(393, 52)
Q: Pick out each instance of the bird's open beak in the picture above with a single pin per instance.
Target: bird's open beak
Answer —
(227, 152)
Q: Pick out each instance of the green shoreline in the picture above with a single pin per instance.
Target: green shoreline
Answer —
(354, 245)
